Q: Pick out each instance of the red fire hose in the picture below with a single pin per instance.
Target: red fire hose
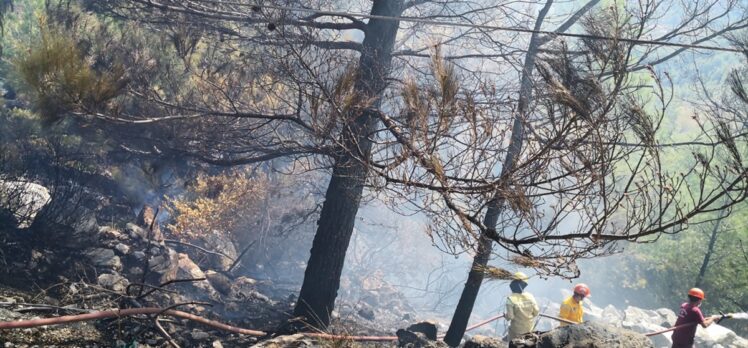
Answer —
(116, 313)
(669, 329)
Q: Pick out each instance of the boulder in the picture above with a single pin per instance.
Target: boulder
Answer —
(22, 201)
(592, 334)
(188, 269)
(219, 281)
(592, 312)
(638, 315)
(104, 258)
(645, 327)
(409, 339)
(667, 317)
(219, 241)
(611, 315)
(480, 341)
(716, 335)
(428, 328)
(163, 263)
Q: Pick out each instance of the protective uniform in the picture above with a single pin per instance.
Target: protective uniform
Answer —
(571, 310)
(521, 311)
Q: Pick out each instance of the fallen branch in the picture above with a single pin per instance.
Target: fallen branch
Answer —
(239, 258)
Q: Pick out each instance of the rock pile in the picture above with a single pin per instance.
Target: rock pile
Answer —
(589, 334)
(645, 321)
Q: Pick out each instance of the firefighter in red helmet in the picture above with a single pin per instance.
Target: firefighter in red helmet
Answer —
(690, 313)
(571, 308)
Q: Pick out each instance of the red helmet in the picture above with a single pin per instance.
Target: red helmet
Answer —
(696, 292)
(582, 289)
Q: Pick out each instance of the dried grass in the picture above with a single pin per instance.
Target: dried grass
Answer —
(526, 261)
(494, 273)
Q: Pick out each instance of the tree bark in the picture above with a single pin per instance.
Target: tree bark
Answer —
(475, 277)
(335, 226)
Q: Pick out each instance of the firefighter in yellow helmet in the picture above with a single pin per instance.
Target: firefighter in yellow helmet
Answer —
(571, 308)
(521, 308)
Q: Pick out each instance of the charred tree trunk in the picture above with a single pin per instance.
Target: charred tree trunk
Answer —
(475, 277)
(335, 226)
(710, 248)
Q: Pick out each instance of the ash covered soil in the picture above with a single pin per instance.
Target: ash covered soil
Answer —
(105, 270)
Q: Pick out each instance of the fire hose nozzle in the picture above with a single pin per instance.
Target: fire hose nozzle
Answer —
(723, 316)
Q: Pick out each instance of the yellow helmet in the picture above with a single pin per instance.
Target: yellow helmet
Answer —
(520, 276)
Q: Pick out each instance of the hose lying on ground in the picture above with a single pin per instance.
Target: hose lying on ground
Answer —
(117, 313)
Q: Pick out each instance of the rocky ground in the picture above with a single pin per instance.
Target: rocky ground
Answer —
(98, 267)
(137, 266)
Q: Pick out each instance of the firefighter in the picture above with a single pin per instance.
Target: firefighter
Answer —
(690, 313)
(571, 308)
(521, 307)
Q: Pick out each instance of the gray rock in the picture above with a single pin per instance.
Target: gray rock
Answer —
(480, 341)
(408, 339)
(111, 233)
(612, 315)
(102, 257)
(122, 248)
(199, 335)
(245, 288)
(592, 334)
(428, 328)
(298, 341)
(146, 219)
(718, 335)
(667, 317)
(136, 231)
(6, 315)
(219, 241)
(645, 327)
(114, 282)
(165, 264)
(365, 311)
(219, 281)
(189, 269)
(23, 201)
(138, 255)
(638, 315)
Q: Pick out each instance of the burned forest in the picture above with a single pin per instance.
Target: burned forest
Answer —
(385, 173)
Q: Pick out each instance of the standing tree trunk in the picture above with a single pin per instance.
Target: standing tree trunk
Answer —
(475, 277)
(335, 226)
(710, 248)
